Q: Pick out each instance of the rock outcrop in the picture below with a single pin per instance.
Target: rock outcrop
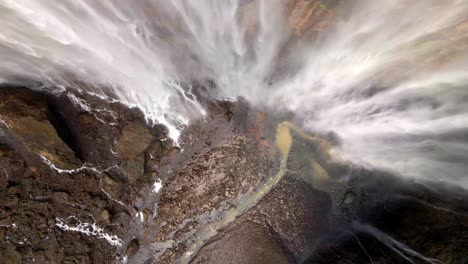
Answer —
(84, 180)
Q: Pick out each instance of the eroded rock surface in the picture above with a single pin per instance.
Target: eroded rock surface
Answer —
(68, 195)
(85, 180)
(28, 115)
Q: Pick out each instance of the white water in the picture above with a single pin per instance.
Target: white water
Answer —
(389, 77)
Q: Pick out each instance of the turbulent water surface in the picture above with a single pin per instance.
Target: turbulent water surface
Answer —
(387, 77)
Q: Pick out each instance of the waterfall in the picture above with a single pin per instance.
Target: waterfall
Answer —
(387, 77)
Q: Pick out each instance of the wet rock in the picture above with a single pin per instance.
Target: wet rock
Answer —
(297, 214)
(248, 243)
(131, 145)
(28, 116)
(132, 247)
(56, 208)
(399, 221)
(92, 212)
(209, 181)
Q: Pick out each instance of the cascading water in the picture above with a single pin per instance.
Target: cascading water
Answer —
(388, 77)
(141, 52)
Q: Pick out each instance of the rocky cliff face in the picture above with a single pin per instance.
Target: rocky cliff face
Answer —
(88, 181)
(72, 168)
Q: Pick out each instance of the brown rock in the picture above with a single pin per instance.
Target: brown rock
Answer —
(60, 197)
(10, 256)
(247, 243)
(134, 140)
(28, 116)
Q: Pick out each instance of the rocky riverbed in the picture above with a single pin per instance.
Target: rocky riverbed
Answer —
(85, 180)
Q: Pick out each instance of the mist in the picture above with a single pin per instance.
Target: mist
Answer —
(387, 77)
